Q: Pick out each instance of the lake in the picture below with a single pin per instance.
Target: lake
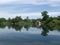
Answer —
(20, 35)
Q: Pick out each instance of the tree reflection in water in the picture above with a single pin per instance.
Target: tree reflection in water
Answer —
(27, 27)
(45, 28)
(45, 31)
(2, 26)
(17, 27)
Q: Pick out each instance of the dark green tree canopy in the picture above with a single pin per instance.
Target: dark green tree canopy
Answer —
(45, 15)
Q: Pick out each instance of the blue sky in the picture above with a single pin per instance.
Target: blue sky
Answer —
(30, 8)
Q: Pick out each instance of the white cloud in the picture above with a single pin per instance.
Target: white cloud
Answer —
(5, 1)
(54, 14)
(23, 15)
(34, 2)
(54, 2)
(30, 15)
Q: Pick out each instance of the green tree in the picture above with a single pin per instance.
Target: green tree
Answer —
(16, 20)
(9, 20)
(27, 19)
(58, 17)
(45, 15)
(2, 20)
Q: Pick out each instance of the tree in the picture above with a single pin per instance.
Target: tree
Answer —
(58, 17)
(16, 20)
(45, 15)
(9, 20)
(27, 19)
(2, 20)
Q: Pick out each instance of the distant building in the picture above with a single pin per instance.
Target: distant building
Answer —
(38, 23)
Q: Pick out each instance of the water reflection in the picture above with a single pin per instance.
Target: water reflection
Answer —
(45, 31)
(27, 27)
(17, 27)
(2, 26)
(45, 28)
(13, 35)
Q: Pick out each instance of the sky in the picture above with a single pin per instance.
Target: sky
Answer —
(30, 8)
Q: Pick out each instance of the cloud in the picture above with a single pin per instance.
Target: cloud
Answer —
(33, 2)
(54, 14)
(5, 1)
(31, 8)
(23, 15)
(33, 15)
(54, 3)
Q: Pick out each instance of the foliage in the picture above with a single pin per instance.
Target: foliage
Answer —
(51, 21)
(46, 20)
(45, 15)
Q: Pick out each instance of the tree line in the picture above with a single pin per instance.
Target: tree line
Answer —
(46, 20)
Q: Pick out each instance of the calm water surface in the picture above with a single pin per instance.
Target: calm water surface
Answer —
(29, 36)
